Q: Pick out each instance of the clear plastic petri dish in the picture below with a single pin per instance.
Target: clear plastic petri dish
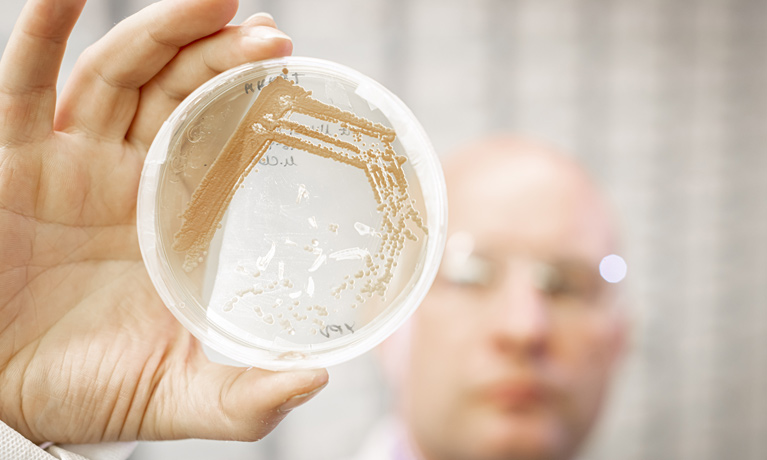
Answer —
(292, 213)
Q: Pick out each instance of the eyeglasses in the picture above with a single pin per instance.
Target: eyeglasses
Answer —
(565, 284)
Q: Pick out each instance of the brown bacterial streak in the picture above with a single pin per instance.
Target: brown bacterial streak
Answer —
(216, 190)
(318, 150)
(301, 129)
(264, 124)
(317, 109)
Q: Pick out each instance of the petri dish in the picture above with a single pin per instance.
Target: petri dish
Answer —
(291, 213)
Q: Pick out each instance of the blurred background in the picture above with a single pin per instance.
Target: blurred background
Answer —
(663, 101)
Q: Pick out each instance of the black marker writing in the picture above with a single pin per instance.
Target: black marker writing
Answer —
(260, 84)
(274, 160)
(337, 329)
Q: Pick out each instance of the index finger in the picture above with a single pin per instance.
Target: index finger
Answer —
(30, 66)
(102, 94)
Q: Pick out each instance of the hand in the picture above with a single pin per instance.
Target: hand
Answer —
(88, 352)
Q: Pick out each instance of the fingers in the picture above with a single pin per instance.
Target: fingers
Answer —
(102, 94)
(30, 66)
(256, 39)
(229, 403)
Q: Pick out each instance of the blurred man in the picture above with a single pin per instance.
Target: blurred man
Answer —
(510, 354)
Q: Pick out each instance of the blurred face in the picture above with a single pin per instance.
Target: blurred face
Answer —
(512, 348)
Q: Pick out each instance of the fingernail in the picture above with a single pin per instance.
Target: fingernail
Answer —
(259, 15)
(265, 33)
(297, 400)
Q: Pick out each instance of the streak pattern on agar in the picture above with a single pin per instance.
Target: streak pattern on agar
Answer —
(266, 122)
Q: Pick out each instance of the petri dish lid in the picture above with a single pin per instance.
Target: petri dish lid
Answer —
(291, 213)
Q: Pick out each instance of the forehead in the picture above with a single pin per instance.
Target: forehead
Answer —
(528, 203)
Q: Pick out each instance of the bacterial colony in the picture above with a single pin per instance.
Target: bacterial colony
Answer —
(368, 150)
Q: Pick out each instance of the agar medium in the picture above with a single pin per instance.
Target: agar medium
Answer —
(291, 213)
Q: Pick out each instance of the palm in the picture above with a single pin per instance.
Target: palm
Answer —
(84, 338)
(80, 279)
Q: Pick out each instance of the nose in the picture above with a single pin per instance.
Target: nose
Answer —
(521, 321)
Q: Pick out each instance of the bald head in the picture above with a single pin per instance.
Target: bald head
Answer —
(511, 350)
(529, 192)
(503, 157)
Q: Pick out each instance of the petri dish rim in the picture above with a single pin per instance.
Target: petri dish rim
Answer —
(182, 304)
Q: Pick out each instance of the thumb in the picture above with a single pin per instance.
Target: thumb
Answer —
(214, 401)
